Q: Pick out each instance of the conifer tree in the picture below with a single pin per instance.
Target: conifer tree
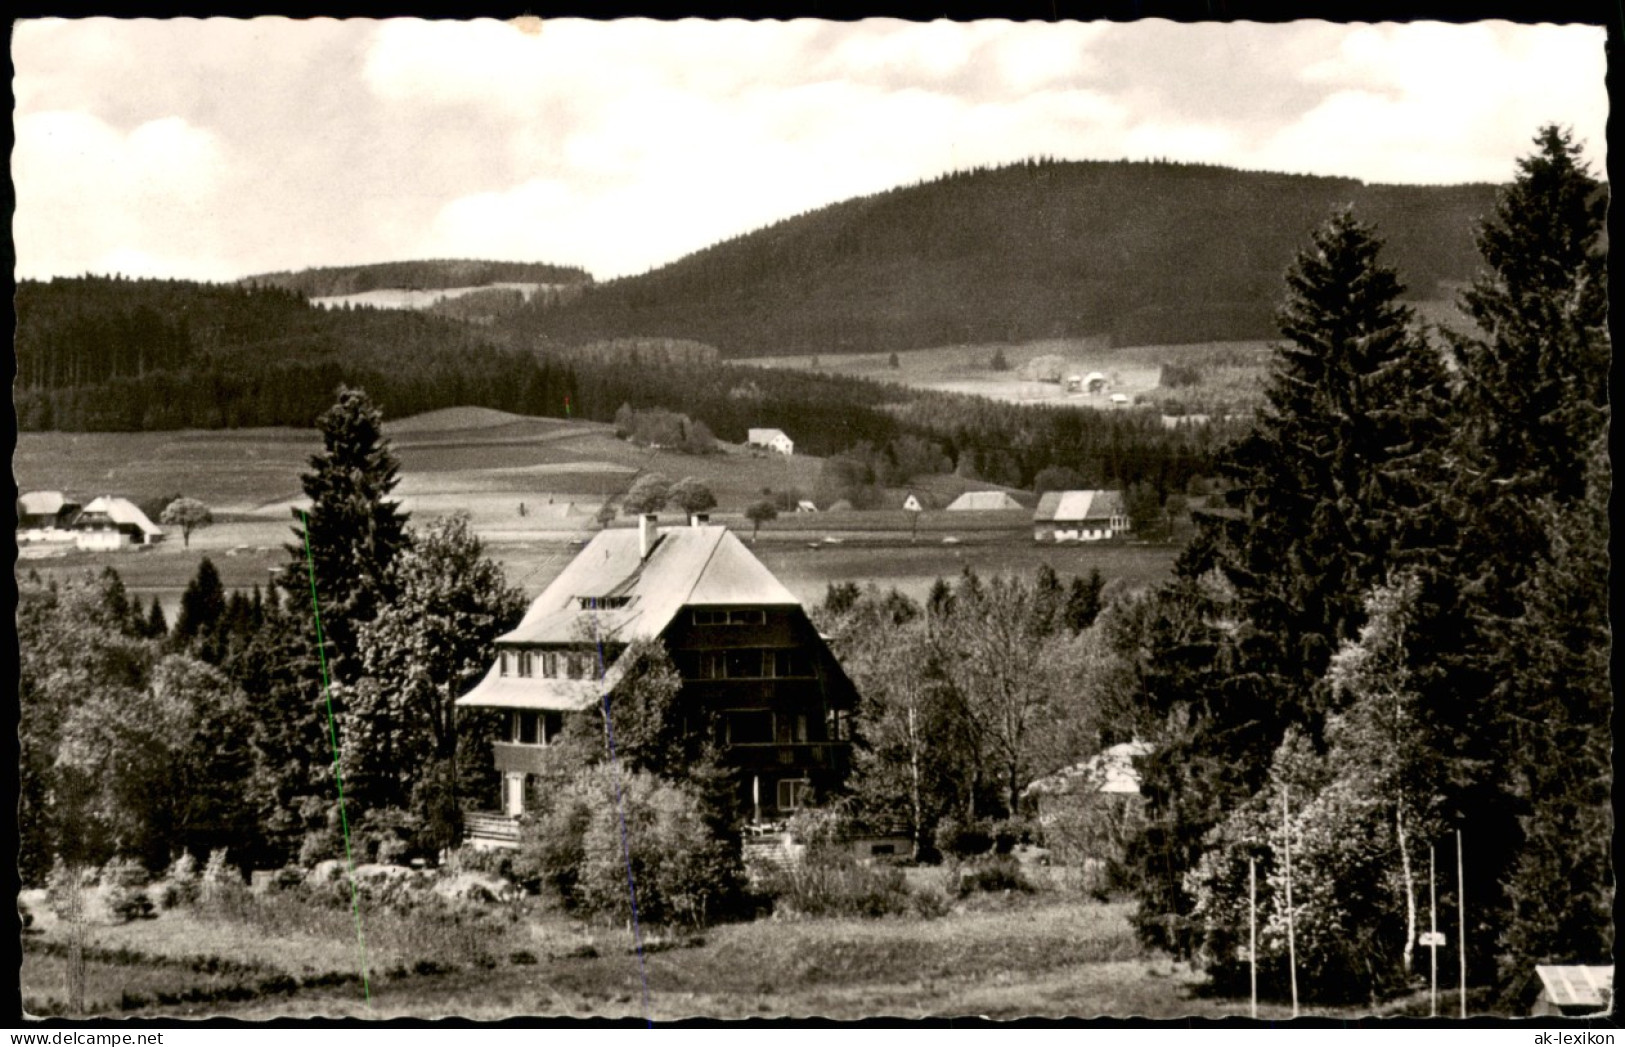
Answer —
(355, 529)
(1354, 400)
(202, 614)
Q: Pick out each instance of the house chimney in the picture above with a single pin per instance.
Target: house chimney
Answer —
(647, 533)
(698, 519)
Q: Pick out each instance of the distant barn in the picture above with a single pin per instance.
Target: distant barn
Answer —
(982, 501)
(44, 515)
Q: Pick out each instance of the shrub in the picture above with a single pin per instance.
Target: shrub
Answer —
(989, 875)
(962, 840)
(180, 884)
(828, 880)
(683, 872)
(128, 903)
(522, 958)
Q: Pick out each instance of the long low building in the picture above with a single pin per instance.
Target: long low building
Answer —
(1080, 516)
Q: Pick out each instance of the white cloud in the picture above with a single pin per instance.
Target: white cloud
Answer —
(621, 145)
(1436, 103)
(87, 193)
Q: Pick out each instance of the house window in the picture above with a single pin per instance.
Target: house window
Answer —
(708, 616)
(793, 793)
(602, 603)
(743, 664)
(550, 664)
(787, 663)
(552, 726)
(524, 728)
(750, 728)
(524, 663)
(502, 663)
(792, 729)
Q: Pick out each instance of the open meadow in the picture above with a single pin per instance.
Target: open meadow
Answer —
(1211, 377)
(488, 464)
(1052, 953)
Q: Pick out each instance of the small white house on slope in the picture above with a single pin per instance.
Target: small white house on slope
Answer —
(771, 439)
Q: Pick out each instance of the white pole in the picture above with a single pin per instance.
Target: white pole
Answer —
(1433, 940)
(1461, 928)
(756, 796)
(1291, 939)
(1252, 927)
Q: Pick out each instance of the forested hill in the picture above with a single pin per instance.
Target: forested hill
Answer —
(116, 354)
(1140, 252)
(430, 275)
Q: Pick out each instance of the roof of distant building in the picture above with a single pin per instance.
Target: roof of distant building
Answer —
(119, 511)
(762, 436)
(1111, 770)
(980, 500)
(1066, 506)
(44, 503)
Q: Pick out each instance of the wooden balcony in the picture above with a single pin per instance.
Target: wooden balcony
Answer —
(801, 756)
(488, 829)
(513, 757)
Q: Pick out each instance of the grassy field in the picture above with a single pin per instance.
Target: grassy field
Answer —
(487, 463)
(1048, 954)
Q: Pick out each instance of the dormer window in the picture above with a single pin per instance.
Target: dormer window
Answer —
(602, 603)
(503, 667)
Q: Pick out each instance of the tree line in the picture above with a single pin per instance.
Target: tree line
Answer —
(1398, 629)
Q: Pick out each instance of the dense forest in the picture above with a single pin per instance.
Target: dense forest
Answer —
(106, 353)
(98, 353)
(428, 275)
(1386, 650)
(1137, 252)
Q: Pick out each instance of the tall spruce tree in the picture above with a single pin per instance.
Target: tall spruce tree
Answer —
(354, 529)
(1533, 400)
(1330, 485)
(1330, 475)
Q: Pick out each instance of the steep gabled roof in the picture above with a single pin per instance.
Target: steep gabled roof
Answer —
(762, 436)
(1079, 505)
(687, 567)
(119, 511)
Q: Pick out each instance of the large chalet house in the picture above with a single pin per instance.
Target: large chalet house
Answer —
(755, 670)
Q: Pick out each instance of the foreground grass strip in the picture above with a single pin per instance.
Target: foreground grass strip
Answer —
(338, 774)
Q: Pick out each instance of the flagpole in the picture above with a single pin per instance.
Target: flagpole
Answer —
(1252, 926)
(1433, 939)
(1461, 929)
(1291, 939)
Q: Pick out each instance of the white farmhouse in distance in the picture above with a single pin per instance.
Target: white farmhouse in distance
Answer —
(114, 523)
(771, 439)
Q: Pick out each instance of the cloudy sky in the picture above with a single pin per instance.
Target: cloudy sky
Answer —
(214, 149)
